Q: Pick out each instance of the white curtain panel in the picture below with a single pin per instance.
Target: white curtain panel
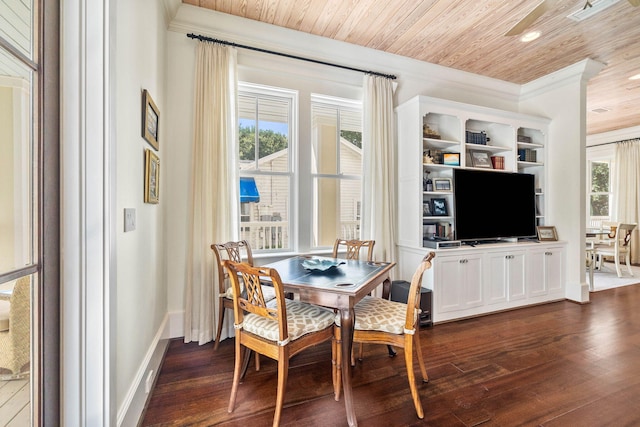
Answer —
(628, 190)
(214, 190)
(379, 182)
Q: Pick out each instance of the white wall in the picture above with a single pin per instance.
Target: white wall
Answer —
(140, 60)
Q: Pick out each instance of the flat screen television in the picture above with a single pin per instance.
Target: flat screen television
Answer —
(492, 205)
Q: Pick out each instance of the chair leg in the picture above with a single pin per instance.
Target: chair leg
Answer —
(283, 372)
(628, 261)
(221, 311)
(236, 377)
(616, 259)
(336, 368)
(408, 359)
(418, 348)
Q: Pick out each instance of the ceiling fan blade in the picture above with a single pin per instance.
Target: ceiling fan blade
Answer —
(634, 2)
(531, 17)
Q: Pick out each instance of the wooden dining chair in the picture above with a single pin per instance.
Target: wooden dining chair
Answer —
(279, 329)
(353, 248)
(233, 251)
(619, 248)
(382, 321)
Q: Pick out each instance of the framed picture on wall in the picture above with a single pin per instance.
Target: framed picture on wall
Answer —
(151, 177)
(150, 120)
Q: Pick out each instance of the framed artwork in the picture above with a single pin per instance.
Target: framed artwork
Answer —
(547, 233)
(151, 177)
(439, 207)
(442, 184)
(426, 209)
(480, 159)
(150, 120)
(451, 159)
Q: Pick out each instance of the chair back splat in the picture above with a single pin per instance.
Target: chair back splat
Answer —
(353, 248)
(233, 251)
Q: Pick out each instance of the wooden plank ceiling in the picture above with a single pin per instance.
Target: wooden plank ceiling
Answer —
(469, 35)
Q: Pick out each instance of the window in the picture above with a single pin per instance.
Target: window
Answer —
(599, 189)
(336, 169)
(265, 143)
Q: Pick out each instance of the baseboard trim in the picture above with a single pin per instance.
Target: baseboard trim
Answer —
(132, 409)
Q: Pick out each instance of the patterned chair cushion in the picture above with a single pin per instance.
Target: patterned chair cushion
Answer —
(377, 314)
(302, 318)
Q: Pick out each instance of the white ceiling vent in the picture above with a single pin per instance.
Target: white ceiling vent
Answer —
(591, 8)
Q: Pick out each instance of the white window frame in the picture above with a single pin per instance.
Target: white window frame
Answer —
(264, 91)
(339, 104)
(603, 154)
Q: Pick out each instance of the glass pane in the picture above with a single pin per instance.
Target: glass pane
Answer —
(350, 142)
(273, 127)
(15, 362)
(16, 165)
(265, 224)
(247, 129)
(271, 119)
(324, 140)
(599, 205)
(599, 177)
(16, 23)
(336, 210)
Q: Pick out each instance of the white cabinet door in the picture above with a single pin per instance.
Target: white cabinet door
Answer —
(458, 283)
(554, 267)
(506, 276)
(546, 266)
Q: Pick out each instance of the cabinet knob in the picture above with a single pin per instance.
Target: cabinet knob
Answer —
(463, 261)
(509, 257)
(548, 253)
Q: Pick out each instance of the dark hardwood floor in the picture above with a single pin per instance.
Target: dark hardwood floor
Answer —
(558, 364)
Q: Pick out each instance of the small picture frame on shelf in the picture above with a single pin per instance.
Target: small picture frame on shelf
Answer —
(480, 159)
(442, 184)
(426, 209)
(439, 207)
(451, 159)
(547, 233)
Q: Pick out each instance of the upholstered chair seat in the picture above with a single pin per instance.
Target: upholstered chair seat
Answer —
(377, 314)
(302, 318)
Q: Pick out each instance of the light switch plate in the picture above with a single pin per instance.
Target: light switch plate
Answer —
(129, 219)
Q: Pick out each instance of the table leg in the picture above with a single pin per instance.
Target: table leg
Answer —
(347, 318)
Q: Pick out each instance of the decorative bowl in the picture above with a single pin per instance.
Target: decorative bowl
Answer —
(319, 264)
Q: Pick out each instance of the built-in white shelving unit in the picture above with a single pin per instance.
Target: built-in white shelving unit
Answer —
(435, 137)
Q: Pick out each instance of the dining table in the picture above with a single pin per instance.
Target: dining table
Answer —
(340, 287)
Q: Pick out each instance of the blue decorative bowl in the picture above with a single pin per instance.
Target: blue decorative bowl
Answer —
(319, 264)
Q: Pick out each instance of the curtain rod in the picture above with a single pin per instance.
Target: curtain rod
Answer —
(614, 142)
(257, 49)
